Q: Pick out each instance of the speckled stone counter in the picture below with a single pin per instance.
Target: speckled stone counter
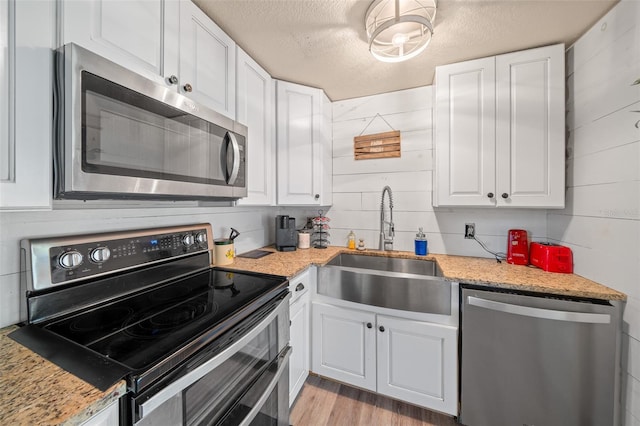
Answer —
(37, 392)
(470, 270)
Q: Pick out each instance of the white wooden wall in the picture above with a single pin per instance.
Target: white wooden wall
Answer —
(357, 185)
(256, 225)
(601, 222)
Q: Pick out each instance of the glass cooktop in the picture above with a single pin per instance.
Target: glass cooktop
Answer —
(142, 329)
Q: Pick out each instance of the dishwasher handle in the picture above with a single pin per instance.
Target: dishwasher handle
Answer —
(550, 314)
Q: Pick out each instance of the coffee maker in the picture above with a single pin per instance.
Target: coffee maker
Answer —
(286, 235)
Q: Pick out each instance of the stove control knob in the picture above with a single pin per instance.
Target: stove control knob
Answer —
(70, 259)
(188, 240)
(100, 254)
(201, 237)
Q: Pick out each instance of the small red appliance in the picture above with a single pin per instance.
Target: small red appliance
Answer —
(552, 257)
(518, 247)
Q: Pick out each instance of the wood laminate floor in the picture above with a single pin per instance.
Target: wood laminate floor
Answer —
(324, 402)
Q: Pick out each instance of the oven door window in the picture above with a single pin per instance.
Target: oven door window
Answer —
(208, 400)
(125, 133)
(210, 397)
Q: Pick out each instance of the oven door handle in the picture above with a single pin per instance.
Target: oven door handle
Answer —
(190, 378)
(283, 365)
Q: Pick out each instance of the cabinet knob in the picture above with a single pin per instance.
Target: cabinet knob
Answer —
(505, 195)
(381, 328)
(490, 195)
(188, 88)
(317, 196)
(172, 79)
(300, 287)
(369, 325)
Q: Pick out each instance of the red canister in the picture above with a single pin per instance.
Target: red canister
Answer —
(518, 247)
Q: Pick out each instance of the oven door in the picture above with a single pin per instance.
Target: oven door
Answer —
(245, 383)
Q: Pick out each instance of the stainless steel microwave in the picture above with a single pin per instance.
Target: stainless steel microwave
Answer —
(119, 135)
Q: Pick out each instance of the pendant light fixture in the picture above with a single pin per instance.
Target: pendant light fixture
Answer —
(399, 29)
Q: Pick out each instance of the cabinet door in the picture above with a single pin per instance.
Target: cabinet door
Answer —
(343, 345)
(207, 61)
(298, 123)
(26, 67)
(530, 138)
(255, 109)
(299, 361)
(465, 134)
(326, 139)
(138, 34)
(417, 363)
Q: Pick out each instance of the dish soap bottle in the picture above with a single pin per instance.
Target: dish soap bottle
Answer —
(420, 243)
(351, 241)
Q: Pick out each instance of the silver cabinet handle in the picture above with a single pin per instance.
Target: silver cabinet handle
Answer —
(188, 88)
(231, 179)
(549, 314)
(300, 287)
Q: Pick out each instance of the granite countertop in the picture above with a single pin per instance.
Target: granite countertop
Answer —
(470, 270)
(35, 391)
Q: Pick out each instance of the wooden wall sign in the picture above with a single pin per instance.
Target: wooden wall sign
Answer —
(378, 145)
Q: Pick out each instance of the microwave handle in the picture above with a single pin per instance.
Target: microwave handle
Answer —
(236, 158)
(187, 380)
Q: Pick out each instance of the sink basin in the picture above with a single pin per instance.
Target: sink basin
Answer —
(404, 284)
(387, 264)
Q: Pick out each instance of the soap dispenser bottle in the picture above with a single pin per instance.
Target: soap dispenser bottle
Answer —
(351, 241)
(421, 243)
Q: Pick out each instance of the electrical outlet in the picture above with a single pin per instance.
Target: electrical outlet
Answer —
(469, 230)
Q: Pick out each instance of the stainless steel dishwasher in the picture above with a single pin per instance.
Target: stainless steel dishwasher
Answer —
(538, 361)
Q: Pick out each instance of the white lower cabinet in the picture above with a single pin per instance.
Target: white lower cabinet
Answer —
(417, 362)
(344, 345)
(299, 333)
(409, 360)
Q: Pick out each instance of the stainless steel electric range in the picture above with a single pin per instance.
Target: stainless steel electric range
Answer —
(197, 345)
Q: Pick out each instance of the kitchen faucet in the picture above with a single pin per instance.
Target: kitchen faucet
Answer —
(386, 240)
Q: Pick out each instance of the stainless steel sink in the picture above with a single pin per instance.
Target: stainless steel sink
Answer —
(404, 284)
(388, 264)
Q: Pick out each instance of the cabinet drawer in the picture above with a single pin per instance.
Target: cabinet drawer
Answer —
(299, 285)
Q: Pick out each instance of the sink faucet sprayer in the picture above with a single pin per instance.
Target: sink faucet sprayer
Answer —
(386, 240)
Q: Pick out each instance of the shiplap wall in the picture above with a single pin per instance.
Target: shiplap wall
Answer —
(256, 225)
(357, 185)
(601, 221)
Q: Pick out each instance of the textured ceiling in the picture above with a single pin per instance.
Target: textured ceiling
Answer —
(322, 43)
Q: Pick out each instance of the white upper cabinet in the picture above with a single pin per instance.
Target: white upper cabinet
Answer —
(530, 133)
(301, 145)
(26, 69)
(499, 131)
(255, 109)
(171, 42)
(326, 135)
(465, 133)
(207, 61)
(141, 35)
